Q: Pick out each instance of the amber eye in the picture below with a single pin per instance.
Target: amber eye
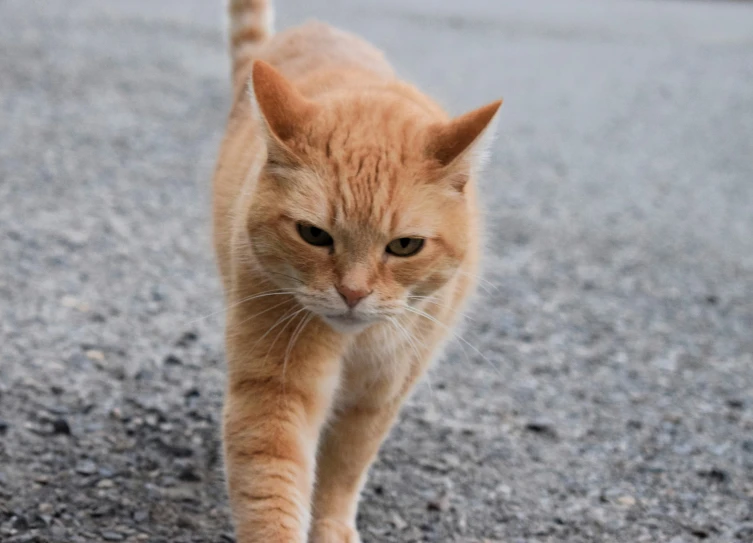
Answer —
(405, 246)
(314, 236)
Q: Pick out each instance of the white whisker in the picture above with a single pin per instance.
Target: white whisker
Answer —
(411, 341)
(480, 280)
(456, 336)
(432, 300)
(289, 314)
(279, 292)
(244, 321)
(291, 343)
(289, 320)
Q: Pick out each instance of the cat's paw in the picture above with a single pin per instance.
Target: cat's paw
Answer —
(333, 531)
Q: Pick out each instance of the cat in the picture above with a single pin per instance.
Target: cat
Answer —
(346, 231)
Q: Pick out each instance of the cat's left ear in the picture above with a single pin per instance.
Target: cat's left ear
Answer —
(282, 109)
(463, 141)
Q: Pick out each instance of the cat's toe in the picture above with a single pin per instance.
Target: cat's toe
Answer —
(333, 531)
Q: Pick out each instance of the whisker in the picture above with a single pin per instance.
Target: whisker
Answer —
(288, 276)
(244, 321)
(432, 300)
(480, 279)
(289, 314)
(456, 336)
(406, 334)
(279, 292)
(291, 344)
(395, 321)
(289, 320)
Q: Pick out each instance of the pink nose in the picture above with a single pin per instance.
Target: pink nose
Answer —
(352, 296)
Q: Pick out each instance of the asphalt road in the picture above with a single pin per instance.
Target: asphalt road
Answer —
(608, 392)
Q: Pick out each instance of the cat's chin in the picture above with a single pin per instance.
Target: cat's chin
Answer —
(347, 324)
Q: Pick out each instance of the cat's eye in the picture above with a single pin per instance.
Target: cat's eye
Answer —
(405, 246)
(314, 236)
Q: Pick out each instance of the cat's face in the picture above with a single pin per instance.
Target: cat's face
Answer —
(358, 248)
(354, 216)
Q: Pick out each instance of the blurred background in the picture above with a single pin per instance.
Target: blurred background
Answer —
(608, 393)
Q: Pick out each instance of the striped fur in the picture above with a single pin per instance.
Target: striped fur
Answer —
(251, 25)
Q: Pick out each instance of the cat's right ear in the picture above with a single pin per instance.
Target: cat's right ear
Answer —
(280, 107)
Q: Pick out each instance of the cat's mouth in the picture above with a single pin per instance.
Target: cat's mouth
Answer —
(348, 322)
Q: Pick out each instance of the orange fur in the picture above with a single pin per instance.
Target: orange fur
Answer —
(325, 342)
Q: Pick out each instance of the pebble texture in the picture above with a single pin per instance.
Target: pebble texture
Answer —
(602, 390)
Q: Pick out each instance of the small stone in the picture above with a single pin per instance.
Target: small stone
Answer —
(20, 523)
(192, 392)
(46, 508)
(69, 301)
(715, 474)
(735, 403)
(103, 510)
(441, 504)
(747, 445)
(95, 354)
(543, 427)
(141, 516)
(112, 536)
(186, 522)
(157, 293)
(627, 501)
(105, 483)
(504, 490)
(176, 450)
(399, 522)
(60, 426)
(189, 475)
(3, 427)
(172, 360)
(86, 467)
(187, 339)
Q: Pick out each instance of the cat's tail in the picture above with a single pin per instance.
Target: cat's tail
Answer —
(251, 24)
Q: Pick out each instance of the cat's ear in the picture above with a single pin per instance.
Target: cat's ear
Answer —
(465, 139)
(282, 109)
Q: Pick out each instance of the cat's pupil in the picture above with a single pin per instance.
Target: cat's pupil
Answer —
(404, 242)
(316, 232)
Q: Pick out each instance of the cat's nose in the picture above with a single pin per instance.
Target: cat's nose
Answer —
(352, 296)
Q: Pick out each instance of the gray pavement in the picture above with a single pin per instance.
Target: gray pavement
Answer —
(612, 398)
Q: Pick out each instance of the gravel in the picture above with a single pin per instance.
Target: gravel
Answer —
(602, 389)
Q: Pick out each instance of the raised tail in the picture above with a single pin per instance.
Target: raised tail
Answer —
(251, 24)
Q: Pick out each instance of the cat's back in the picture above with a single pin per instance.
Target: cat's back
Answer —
(307, 51)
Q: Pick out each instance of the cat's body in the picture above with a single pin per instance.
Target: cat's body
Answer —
(346, 233)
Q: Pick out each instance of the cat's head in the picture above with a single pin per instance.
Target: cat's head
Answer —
(362, 208)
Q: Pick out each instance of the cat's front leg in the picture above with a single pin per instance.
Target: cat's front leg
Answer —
(349, 446)
(274, 411)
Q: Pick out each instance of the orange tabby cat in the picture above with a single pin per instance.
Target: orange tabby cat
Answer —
(346, 231)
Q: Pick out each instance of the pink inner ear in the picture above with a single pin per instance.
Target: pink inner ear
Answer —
(452, 139)
(282, 105)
